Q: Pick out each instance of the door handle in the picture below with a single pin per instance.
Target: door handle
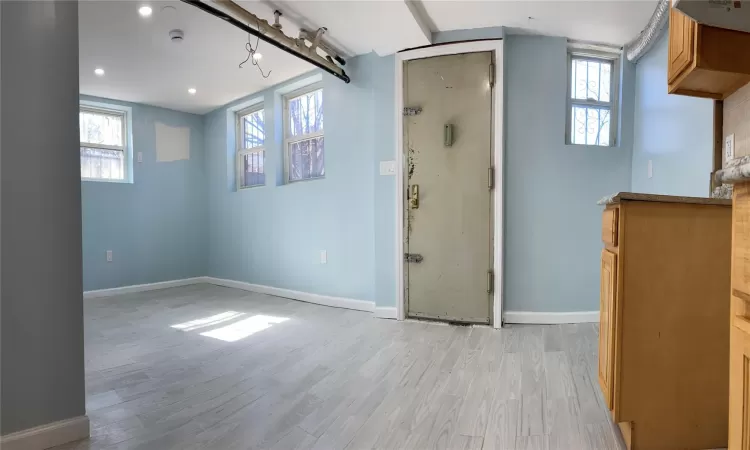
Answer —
(414, 200)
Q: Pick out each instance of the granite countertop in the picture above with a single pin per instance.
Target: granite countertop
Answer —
(737, 170)
(634, 196)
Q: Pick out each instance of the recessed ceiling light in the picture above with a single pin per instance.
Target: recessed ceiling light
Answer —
(192, 91)
(145, 11)
(257, 56)
(99, 72)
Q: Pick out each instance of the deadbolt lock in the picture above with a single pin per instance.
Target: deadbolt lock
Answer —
(414, 200)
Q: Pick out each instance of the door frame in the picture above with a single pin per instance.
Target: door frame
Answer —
(491, 45)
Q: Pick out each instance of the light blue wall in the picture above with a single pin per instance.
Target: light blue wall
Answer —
(673, 131)
(156, 227)
(552, 221)
(384, 124)
(186, 218)
(273, 235)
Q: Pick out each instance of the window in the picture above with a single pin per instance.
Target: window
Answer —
(304, 143)
(104, 148)
(251, 155)
(592, 100)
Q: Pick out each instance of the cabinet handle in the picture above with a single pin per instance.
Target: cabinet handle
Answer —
(742, 323)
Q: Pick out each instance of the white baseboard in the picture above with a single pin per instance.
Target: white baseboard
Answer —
(325, 300)
(338, 302)
(387, 312)
(46, 436)
(143, 287)
(551, 317)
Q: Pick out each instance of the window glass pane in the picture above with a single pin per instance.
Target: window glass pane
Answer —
(101, 128)
(590, 125)
(580, 69)
(306, 113)
(591, 80)
(253, 129)
(307, 159)
(102, 164)
(251, 170)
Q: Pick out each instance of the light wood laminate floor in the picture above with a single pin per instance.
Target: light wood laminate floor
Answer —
(274, 373)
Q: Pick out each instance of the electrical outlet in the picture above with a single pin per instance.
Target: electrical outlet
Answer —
(729, 148)
(140, 157)
(109, 255)
(650, 169)
(323, 257)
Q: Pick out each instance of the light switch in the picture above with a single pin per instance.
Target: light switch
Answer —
(650, 169)
(387, 167)
(140, 157)
(323, 257)
(109, 255)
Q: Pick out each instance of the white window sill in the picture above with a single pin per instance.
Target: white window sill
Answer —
(304, 180)
(97, 180)
(248, 188)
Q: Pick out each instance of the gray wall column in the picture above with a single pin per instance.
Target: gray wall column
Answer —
(41, 293)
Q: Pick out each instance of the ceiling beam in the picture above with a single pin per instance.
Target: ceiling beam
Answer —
(420, 15)
(269, 34)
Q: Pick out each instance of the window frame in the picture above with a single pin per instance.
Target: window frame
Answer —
(241, 151)
(614, 93)
(125, 148)
(289, 139)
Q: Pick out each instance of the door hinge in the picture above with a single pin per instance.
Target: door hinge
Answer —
(491, 178)
(413, 258)
(490, 281)
(492, 74)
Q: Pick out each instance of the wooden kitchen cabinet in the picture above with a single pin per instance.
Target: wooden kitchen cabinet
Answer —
(681, 43)
(706, 61)
(739, 323)
(664, 340)
(739, 381)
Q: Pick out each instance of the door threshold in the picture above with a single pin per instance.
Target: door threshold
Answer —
(447, 321)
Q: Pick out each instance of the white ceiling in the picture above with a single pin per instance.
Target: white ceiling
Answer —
(142, 64)
(601, 21)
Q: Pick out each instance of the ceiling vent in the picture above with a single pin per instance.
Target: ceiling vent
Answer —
(176, 35)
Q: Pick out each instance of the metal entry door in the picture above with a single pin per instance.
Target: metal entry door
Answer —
(447, 141)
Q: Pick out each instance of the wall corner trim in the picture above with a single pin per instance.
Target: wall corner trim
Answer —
(550, 318)
(386, 312)
(46, 436)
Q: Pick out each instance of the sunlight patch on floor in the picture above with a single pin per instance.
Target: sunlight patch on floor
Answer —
(208, 321)
(244, 328)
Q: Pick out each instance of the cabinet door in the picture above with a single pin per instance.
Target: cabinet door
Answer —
(739, 384)
(741, 241)
(608, 296)
(682, 31)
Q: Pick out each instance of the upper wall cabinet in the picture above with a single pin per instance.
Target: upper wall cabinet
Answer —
(706, 61)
